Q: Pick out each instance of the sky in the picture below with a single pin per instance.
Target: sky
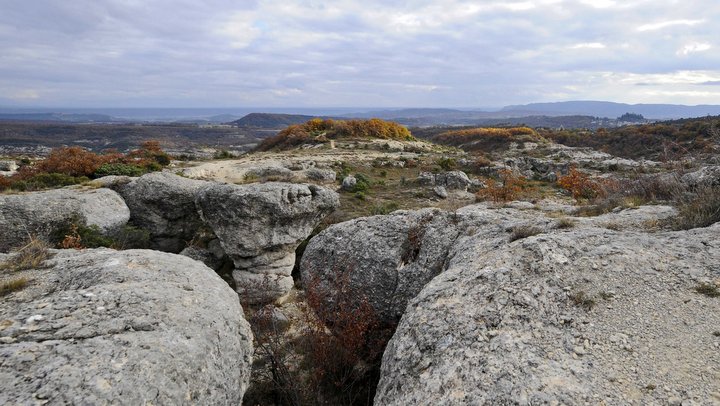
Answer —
(347, 53)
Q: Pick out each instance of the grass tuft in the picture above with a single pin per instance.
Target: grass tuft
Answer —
(30, 256)
(708, 290)
(12, 285)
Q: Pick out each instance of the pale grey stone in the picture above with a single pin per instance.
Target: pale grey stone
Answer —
(40, 214)
(127, 327)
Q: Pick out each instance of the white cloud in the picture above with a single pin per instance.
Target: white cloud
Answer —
(670, 23)
(239, 29)
(693, 47)
(24, 94)
(589, 45)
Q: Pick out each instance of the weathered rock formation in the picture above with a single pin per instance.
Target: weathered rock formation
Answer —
(574, 316)
(131, 327)
(452, 180)
(508, 306)
(39, 214)
(705, 176)
(259, 227)
(163, 204)
(387, 260)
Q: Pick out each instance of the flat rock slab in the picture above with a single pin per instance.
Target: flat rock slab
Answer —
(132, 327)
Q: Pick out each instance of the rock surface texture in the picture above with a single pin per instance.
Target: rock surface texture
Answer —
(584, 315)
(41, 213)
(164, 204)
(452, 180)
(131, 327)
(387, 260)
(260, 226)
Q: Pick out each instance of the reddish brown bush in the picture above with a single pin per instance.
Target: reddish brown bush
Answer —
(487, 139)
(580, 185)
(507, 189)
(345, 341)
(71, 161)
(318, 131)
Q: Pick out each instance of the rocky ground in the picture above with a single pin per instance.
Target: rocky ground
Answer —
(535, 298)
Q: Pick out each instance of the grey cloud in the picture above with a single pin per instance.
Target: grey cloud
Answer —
(344, 52)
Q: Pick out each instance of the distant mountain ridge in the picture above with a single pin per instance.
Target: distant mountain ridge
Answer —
(270, 120)
(611, 109)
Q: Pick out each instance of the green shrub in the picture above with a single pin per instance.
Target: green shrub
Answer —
(78, 235)
(223, 154)
(384, 208)
(447, 164)
(120, 169)
(46, 181)
(708, 290)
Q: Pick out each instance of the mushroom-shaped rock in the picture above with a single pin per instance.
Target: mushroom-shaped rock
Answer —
(260, 226)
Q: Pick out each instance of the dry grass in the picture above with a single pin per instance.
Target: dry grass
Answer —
(521, 232)
(699, 209)
(708, 290)
(564, 223)
(12, 285)
(30, 256)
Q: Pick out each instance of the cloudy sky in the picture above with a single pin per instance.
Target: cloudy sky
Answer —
(411, 53)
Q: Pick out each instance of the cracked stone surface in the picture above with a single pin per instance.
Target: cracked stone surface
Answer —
(135, 327)
(585, 315)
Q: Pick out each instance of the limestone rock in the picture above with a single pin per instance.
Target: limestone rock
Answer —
(452, 180)
(320, 175)
(348, 183)
(386, 259)
(8, 166)
(586, 315)
(42, 213)
(163, 204)
(260, 226)
(131, 327)
(705, 176)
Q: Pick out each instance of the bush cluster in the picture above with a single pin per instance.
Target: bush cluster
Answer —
(77, 235)
(508, 187)
(665, 141)
(318, 131)
(486, 138)
(73, 165)
(580, 185)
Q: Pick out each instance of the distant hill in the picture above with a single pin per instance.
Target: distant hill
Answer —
(610, 109)
(58, 117)
(270, 120)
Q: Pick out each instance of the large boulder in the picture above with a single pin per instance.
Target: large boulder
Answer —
(40, 214)
(578, 316)
(130, 327)
(164, 204)
(705, 176)
(260, 226)
(387, 260)
(452, 180)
